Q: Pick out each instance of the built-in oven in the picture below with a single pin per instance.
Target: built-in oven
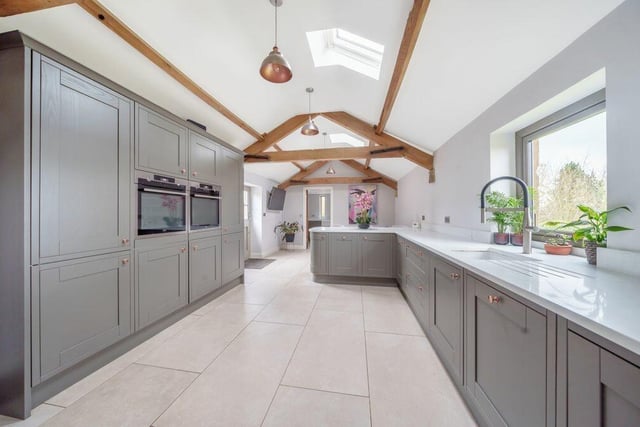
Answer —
(162, 204)
(205, 206)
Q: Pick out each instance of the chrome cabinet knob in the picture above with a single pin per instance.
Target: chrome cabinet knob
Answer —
(195, 248)
(183, 250)
(420, 288)
(125, 241)
(183, 171)
(194, 173)
(344, 237)
(125, 261)
(454, 276)
(365, 238)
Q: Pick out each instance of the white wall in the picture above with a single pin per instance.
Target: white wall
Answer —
(463, 164)
(264, 241)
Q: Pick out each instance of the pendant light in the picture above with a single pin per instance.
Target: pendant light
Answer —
(310, 127)
(275, 68)
(330, 171)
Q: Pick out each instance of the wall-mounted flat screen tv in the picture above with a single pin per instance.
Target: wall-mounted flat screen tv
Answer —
(276, 199)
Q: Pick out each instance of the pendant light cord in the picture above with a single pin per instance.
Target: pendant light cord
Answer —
(276, 30)
(309, 105)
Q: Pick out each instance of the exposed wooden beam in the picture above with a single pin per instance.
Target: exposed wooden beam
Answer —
(322, 154)
(114, 24)
(408, 44)
(335, 180)
(367, 162)
(296, 164)
(367, 131)
(297, 178)
(277, 134)
(371, 173)
(16, 7)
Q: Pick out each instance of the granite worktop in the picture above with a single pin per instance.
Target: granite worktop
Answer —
(602, 301)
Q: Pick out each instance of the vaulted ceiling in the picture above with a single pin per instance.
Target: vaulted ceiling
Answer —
(469, 54)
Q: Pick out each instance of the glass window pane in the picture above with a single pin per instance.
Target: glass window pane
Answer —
(570, 168)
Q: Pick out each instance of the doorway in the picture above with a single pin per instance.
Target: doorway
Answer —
(246, 202)
(318, 209)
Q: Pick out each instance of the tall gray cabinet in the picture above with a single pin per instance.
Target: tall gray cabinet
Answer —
(73, 291)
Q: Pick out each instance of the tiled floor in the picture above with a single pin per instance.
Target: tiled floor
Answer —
(280, 350)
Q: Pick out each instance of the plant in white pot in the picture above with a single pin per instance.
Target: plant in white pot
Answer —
(288, 230)
(593, 228)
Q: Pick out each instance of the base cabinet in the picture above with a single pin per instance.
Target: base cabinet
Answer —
(205, 267)
(232, 256)
(445, 326)
(506, 356)
(376, 254)
(368, 255)
(319, 253)
(78, 308)
(602, 388)
(344, 254)
(162, 279)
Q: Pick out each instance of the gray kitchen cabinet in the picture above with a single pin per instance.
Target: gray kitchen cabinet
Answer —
(344, 254)
(376, 253)
(161, 144)
(205, 165)
(162, 282)
(602, 388)
(78, 308)
(81, 165)
(319, 253)
(232, 256)
(417, 293)
(205, 267)
(400, 245)
(232, 188)
(445, 327)
(506, 357)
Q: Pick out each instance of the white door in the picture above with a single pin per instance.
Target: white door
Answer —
(246, 201)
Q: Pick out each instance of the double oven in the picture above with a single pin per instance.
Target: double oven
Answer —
(167, 205)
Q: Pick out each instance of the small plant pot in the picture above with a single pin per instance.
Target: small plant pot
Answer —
(289, 237)
(500, 238)
(591, 250)
(363, 226)
(516, 239)
(557, 250)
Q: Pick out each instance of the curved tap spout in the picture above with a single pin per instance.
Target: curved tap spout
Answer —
(521, 183)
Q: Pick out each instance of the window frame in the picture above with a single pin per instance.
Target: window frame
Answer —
(578, 111)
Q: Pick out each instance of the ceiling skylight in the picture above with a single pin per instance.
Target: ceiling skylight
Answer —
(345, 138)
(339, 47)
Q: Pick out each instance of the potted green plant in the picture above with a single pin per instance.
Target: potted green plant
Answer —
(497, 199)
(593, 229)
(363, 219)
(288, 230)
(558, 244)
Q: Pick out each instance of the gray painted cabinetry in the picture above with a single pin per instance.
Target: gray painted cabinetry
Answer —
(232, 187)
(344, 254)
(602, 388)
(161, 282)
(204, 159)
(161, 144)
(78, 308)
(416, 281)
(319, 253)
(506, 355)
(367, 255)
(232, 256)
(205, 266)
(376, 253)
(445, 326)
(81, 165)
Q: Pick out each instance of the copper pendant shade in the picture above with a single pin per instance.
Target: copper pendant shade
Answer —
(310, 128)
(275, 68)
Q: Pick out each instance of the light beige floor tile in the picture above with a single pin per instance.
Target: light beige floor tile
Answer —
(134, 397)
(197, 345)
(238, 387)
(255, 293)
(331, 354)
(293, 407)
(340, 298)
(287, 310)
(306, 293)
(90, 382)
(385, 310)
(409, 386)
(38, 417)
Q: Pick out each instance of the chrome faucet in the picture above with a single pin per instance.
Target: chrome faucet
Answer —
(527, 226)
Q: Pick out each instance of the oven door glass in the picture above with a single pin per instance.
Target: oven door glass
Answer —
(205, 213)
(160, 213)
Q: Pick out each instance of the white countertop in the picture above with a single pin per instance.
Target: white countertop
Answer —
(604, 302)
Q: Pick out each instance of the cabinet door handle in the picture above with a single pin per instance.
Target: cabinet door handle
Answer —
(420, 288)
(454, 276)
(125, 241)
(183, 171)
(195, 248)
(344, 237)
(365, 238)
(194, 173)
(125, 261)
(183, 250)
(493, 299)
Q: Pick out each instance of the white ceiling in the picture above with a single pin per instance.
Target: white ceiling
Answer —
(468, 55)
